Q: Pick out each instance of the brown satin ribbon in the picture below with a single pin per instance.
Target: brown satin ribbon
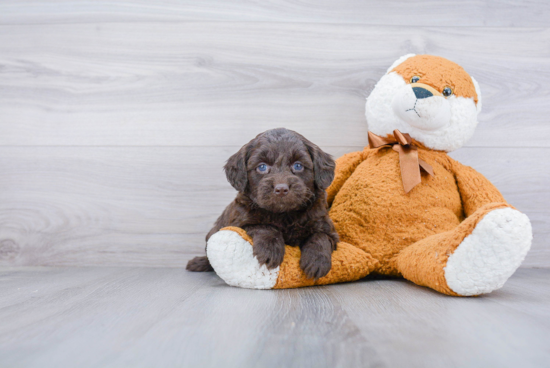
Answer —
(409, 161)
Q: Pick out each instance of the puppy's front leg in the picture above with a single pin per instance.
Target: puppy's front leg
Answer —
(316, 259)
(269, 245)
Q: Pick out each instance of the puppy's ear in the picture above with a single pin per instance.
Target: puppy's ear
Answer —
(323, 165)
(235, 169)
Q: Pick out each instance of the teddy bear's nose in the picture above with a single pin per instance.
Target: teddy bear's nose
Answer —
(420, 92)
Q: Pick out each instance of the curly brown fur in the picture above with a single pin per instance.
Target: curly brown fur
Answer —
(199, 264)
(283, 204)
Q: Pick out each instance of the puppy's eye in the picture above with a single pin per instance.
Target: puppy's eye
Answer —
(297, 166)
(415, 79)
(447, 91)
(262, 168)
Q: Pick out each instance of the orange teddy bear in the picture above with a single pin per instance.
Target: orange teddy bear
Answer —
(402, 206)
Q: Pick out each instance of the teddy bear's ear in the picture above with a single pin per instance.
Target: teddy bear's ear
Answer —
(399, 61)
(478, 92)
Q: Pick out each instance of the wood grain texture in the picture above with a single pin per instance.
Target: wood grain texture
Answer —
(152, 206)
(382, 12)
(116, 116)
(139, 317)
(204, 83)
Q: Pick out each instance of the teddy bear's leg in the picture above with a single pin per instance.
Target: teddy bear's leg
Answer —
(230, 254)
(475, 258)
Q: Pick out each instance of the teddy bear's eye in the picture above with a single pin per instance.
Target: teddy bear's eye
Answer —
(415, 79)
(447, 91)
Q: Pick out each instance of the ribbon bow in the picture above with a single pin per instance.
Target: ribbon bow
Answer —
(409, 161)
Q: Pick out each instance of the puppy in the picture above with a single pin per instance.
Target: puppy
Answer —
(281, 178)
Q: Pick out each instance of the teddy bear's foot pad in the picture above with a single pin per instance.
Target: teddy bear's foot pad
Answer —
(231, 257)
(490, 254)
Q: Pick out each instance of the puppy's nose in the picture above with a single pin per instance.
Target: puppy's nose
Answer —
(420, 92)
(281, 189)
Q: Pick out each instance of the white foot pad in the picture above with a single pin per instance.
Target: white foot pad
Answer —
(232, 259)
(490, 254)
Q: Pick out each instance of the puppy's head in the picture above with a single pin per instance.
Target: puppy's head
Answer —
(280, 170)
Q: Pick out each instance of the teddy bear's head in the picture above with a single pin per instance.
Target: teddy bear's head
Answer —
(429, 97)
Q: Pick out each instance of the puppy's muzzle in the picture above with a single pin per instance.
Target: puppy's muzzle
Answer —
(281, 190)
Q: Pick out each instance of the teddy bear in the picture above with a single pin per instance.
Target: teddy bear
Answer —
(402, 206)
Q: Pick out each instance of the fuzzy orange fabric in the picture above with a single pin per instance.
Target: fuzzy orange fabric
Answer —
(239, 231)
(409, 235)
(349, 263)
(438, 73)
(372, 211)
(424, 261)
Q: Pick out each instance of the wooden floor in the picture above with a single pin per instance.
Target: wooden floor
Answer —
(162, 317)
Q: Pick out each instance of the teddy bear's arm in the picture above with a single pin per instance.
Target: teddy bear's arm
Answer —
(475, 189)
(345, 166)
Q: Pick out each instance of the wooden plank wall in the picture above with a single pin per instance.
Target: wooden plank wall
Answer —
(117, 116)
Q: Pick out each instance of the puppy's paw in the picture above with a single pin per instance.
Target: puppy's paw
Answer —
(199, 264)
(315, 264)
(269, 251)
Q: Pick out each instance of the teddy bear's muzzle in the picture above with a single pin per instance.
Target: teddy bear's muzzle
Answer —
(421, 107)
(422, 90)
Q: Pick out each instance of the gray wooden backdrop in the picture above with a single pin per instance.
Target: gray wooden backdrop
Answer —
(117, 116)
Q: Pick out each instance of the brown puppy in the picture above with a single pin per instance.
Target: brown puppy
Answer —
(281, 178)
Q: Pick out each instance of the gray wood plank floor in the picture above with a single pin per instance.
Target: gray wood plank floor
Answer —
(152, 317)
